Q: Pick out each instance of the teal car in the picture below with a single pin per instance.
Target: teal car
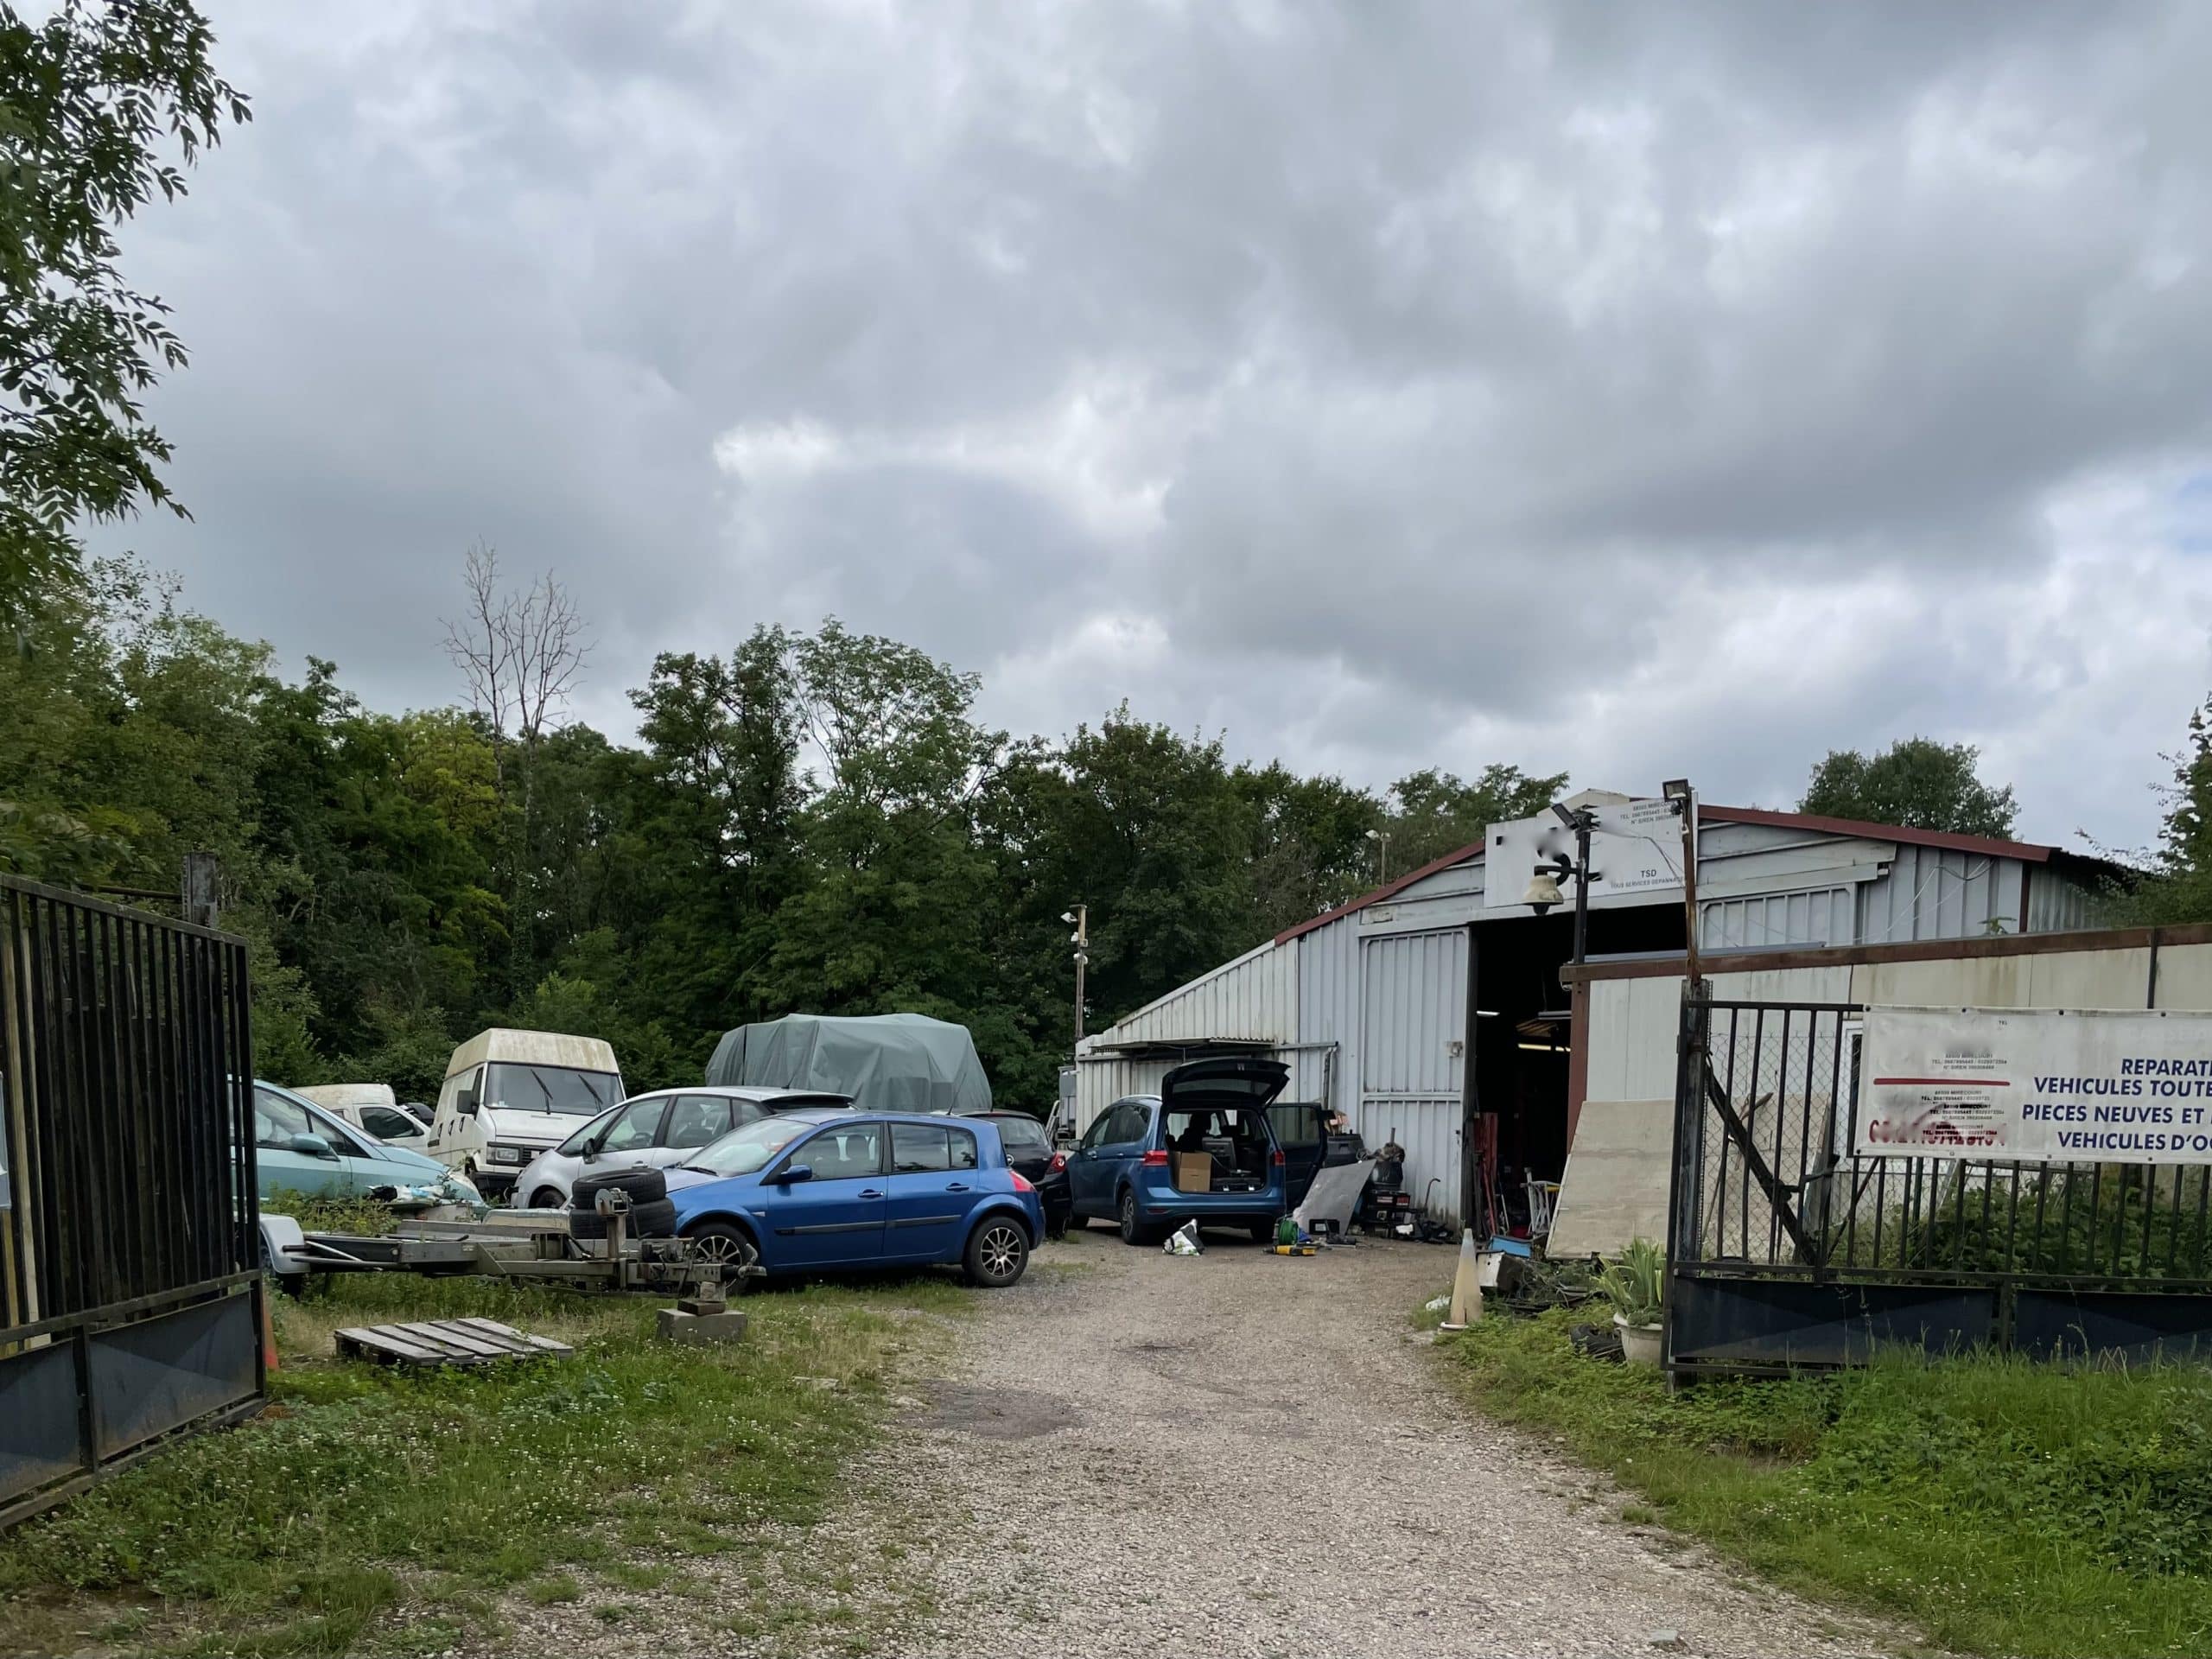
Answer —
(299, 1147)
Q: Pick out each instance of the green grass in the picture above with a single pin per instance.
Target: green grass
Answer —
(300, 1532)
(1999, 1505)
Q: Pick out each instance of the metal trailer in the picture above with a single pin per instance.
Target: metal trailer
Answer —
(521, 1245)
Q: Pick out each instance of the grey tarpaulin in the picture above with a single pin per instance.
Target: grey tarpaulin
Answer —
(886, 1062)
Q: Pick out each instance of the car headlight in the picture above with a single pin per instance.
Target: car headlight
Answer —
(506, 1155)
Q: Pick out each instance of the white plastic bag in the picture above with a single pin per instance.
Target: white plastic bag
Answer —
(1183, 1241)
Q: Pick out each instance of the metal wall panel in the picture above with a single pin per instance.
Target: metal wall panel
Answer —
(1328, 1003)
(1253, 997)
(1412, 1057)
(1414, 1019)
(1932, 892)
(1820, 916)
(2058, 905)
(1100, 1083)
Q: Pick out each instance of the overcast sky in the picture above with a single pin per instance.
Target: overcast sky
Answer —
(1634, 391)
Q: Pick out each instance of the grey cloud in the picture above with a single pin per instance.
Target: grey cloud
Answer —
(1389, 387)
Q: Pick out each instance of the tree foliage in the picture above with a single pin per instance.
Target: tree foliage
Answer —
(2174, 881)
(91, 100)
(1917, 783)
(808, 820)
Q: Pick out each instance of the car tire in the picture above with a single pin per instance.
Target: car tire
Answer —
(727, 1246)
(644, 1185)
(655, 1218)
(997, 1252)
(546, 1198)
(1132, 1228)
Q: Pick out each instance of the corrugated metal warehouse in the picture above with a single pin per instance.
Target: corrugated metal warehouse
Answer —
(1429, 1016)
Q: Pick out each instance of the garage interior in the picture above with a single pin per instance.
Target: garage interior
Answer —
(1517, 1129)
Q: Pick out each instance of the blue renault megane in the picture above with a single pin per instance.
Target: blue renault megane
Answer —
(820, 1191)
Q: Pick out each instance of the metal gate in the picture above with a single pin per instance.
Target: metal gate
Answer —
(130, 1256)
(1786, 1248)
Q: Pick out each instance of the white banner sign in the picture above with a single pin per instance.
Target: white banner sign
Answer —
(1636, 846)
(2033, 1085)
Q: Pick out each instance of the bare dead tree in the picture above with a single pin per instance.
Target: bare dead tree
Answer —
(520, 654)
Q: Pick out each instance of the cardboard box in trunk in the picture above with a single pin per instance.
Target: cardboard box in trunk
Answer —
(1193, 1171)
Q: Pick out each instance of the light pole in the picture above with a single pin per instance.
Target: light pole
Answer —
(1080, 919)
(1543, 885)
(1381, 840)
(1684, 799)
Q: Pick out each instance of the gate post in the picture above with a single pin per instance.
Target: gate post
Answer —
(1683, 1183)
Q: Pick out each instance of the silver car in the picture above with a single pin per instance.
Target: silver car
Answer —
(662, 1129)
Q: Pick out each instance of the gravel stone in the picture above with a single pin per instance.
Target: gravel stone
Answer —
(1233, 1454)
(1250, 1454)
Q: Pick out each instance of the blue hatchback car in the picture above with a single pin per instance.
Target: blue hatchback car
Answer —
(818, 1191)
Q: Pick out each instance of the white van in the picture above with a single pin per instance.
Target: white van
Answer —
(509, 1095)
(372, 1107)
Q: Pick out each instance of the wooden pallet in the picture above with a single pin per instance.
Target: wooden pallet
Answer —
(445, 1342)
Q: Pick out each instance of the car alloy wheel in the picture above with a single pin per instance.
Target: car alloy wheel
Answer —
(1132, 1231)
(723, 1247)
(999, 1254)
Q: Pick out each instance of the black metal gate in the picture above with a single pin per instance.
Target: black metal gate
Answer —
(130, 1256)
(1785, 1248)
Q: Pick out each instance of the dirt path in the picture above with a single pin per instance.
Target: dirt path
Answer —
(1247, 1454)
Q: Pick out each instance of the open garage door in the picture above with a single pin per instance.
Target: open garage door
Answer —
(1413, 1058)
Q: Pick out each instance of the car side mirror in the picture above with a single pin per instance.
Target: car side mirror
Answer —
(465, 1106)
(796, 1172)
(314, 1146)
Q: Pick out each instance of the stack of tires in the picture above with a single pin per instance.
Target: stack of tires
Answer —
(652, 1211)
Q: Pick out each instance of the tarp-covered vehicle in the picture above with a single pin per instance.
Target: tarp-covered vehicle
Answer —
(880, 1062)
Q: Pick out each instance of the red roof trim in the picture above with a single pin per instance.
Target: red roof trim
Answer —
(2027, 852)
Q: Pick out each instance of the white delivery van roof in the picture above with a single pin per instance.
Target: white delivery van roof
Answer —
(533, 1048)
(341, 1097)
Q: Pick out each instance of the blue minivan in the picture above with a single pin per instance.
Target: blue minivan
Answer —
(823, 1189)
(1205, 1148)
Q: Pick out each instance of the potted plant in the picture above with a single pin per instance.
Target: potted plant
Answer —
(1634, 1283)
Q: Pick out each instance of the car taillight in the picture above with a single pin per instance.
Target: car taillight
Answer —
(1021, 1183)
(1277, 1161)
(1156, 1158)
(1059, 1162)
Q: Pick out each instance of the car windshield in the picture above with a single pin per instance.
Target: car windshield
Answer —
(575, 1145)
(743, 1151)
(558, 1088)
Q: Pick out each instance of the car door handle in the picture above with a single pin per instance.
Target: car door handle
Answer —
(956, 1186)
(870, 1193)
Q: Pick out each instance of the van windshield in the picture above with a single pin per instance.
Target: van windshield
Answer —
(558, 1089)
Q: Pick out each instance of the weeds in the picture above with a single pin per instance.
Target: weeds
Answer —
(2002, 1505)
(299, 1532)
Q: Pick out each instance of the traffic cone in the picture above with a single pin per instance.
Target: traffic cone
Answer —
(1466, 1287)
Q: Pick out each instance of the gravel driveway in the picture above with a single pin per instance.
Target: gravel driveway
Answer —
(1243, 1453)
